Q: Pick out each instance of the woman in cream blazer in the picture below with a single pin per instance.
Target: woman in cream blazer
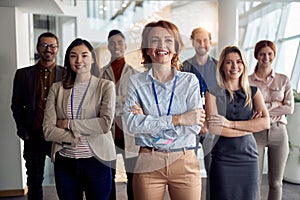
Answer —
(78, 119)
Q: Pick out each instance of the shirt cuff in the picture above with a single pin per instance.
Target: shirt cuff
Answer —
(165, 123)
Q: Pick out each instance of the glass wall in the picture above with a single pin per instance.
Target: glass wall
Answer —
(277, 22)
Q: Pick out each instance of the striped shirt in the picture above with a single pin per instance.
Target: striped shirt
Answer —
(83, 149)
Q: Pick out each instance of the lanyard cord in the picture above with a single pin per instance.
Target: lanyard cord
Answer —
(203, 85)
(156, 98)
(80, 104)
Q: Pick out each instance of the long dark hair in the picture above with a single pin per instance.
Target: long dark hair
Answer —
(70, 76)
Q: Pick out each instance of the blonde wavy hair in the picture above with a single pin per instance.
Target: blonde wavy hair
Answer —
(243, 81)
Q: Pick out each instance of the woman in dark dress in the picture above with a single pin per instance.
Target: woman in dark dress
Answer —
(234, 110)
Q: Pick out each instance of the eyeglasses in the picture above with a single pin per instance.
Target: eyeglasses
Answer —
(45, 46)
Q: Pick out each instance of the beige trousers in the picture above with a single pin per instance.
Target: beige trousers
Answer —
(180, 171)
(276, 140)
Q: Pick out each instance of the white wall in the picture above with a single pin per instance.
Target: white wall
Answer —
(14, 52)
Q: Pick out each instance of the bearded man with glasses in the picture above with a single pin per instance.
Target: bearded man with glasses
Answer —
(30, 90)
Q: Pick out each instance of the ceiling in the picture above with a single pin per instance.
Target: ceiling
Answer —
(46, 7)
(53, 7)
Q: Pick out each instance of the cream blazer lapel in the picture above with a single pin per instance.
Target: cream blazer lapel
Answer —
(89, 99)
(66, 100)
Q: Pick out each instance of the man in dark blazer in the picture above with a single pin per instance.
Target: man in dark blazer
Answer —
(30, 90)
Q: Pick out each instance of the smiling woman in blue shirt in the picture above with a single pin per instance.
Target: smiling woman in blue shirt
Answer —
(164, 111)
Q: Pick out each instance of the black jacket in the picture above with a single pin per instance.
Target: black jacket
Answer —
(23, 104)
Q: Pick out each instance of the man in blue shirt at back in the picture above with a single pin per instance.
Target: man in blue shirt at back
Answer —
(204, 67)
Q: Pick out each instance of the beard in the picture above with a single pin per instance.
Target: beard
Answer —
(47, 56)
(201, 52)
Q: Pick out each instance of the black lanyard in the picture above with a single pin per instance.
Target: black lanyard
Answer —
(171, 99)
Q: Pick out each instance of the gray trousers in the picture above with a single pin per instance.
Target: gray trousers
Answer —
(207, 142)
(276, 140)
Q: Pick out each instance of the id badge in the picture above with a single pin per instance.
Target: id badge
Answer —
(163, 141)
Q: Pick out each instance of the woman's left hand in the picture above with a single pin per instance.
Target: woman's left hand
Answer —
(62, 123)
(136, 109)
(219, 120)
(204, 128)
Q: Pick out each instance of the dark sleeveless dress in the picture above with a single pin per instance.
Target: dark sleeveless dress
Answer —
(234, 169)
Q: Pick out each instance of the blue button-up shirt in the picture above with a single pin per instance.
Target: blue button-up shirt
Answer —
(151, 127)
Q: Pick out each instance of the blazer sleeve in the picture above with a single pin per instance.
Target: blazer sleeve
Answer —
(101, 121)
(18, 104)
(51, 131)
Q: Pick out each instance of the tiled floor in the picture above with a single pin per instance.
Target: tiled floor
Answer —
(290, 191)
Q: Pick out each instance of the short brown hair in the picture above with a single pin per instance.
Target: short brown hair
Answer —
(198, 30)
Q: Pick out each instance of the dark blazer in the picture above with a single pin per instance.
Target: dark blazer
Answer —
(23, 104)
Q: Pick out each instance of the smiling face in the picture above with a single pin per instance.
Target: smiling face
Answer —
(161, 46)
(47, 49)
(201, 43)
(233, 66)
(265, 57)
(81, 60)
(116, 46)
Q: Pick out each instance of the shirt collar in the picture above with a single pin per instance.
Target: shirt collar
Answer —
(195, 63)
(255, 76)
(272, 75)
(150, 73)
(50, 68)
